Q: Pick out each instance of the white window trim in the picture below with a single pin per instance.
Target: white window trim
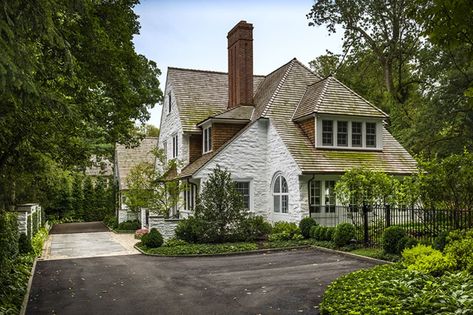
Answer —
(169, 97)
(208, 139)
(250, 181)
(323, 179)
(280, 194)
(175, 146)
(363, 121)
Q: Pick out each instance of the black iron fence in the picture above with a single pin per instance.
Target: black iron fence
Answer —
(371, 221)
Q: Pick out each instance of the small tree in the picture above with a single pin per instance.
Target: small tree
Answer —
(220, 206)
(89, 199)
(361, 185)
(153, 188)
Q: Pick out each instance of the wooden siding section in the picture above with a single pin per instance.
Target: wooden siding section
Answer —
(221, 133)
(308, 127)
(195, 147)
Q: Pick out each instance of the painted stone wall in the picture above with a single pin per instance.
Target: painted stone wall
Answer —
(280, 160)
(246, 159)
(171, 125)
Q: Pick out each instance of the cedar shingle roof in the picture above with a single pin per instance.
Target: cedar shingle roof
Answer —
(393, 159)
(200, 94)
(293, 91)
(330, 96)
(127, 158)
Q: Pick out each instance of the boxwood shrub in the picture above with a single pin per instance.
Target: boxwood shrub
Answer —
(305, 225)
(391, 239)
(344, 233)
(153, 239)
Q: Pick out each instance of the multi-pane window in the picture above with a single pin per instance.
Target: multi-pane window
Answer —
(207, 139)
(342, 133)
(280, 194)
(330, 196)
(189, 197)
(371, 135)
(169, 103)
(175, 147)
(327, 132)
(315, 195)
(347, 134)
(322, 190)
(356, 134)
(244, 189)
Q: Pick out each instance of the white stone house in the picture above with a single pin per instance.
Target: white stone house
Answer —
(286, 137)
(127, 158)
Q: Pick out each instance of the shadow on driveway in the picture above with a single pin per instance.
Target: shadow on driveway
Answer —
(83, 227)
(290, 282)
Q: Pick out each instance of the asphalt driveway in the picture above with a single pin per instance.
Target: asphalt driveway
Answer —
(290, 282)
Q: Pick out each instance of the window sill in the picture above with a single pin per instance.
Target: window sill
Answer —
(349, 148)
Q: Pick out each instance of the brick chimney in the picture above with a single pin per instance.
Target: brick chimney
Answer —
(240, 65)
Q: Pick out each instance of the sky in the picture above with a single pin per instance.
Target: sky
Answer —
(193, 34)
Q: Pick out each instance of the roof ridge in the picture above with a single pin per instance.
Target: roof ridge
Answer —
(322, 94)
(356, 94)
(308, 69)
(208, 71)
(276, 91)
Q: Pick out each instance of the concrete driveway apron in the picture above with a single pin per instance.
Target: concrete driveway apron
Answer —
(89, 239)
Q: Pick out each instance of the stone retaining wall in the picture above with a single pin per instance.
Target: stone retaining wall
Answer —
(165, 226)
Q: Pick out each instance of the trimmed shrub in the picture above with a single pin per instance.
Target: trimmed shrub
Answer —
(24, 244)
(460, 248)
(253, 228)
(328, 233)
(406, 242)
(425, 259)
(305, 225)
(129, 225)
(318, 233)
(391, 238)
(153, 239)
(344, 233)
(313, 230)
(190, 230)
(285, 231)
(38, 240)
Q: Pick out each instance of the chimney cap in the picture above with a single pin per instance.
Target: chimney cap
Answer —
(240, 25)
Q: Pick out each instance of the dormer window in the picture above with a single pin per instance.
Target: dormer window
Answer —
(371, 135)
(342, 133)
(356, 134)
(348, 133)
(327, 132)
(207, 139)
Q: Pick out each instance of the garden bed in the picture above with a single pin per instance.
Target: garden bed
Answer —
(222, 249)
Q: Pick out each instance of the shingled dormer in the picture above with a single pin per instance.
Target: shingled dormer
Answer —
(333, 116)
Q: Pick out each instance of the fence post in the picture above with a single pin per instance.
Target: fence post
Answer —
(365, 224)
(387, 210)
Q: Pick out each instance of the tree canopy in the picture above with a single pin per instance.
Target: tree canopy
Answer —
(414, 59)
(71, 83)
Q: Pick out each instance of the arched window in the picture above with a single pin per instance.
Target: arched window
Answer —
(280, 194)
